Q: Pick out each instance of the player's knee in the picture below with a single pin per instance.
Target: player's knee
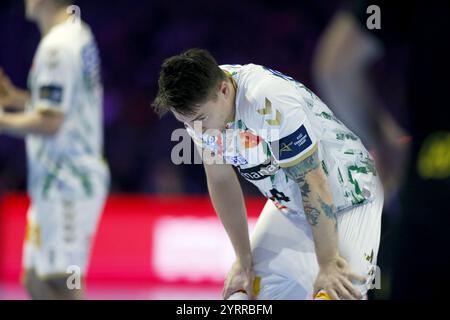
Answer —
(62, 289)
(33, 286)
(28, 280)
(58, 284)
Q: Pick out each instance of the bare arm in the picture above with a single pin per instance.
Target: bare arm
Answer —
(41, 121)
(334, 275)
(226, 195)
(228, 200)
(11, 96)
(318, 206)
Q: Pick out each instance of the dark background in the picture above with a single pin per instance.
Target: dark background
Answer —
(134, 37)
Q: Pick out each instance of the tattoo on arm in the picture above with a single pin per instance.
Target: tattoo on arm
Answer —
(312, 214)
(313, 210)
(299, 171)
(313, 204)
(327, 209)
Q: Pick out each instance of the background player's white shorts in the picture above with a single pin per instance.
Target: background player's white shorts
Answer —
(59, 234)
(284, 255)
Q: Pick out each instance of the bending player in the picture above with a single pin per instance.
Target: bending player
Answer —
(319, 233)
(61, 118)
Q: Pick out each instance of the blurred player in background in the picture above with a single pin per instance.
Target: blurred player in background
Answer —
(60, 117)
(345, 54)
(319, 233)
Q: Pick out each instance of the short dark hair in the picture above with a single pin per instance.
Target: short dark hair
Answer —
(187, 80)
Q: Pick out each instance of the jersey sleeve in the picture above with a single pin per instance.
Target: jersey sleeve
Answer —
(55, 79)
(282, 118)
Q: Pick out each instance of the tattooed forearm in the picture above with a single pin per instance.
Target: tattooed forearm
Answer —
(328, 209)
(312, 215)
(299, 171)
(317, 201)
(312, 197)
(312, 211)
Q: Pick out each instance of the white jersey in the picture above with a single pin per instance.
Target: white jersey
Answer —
(279, 123)
(65, 76)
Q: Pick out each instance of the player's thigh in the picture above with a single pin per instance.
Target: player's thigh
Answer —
(276, 230)
(31, 242)
(66, 228)
(283, 255)
(359, 238)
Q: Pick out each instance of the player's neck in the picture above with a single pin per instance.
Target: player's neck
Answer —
(52, 19)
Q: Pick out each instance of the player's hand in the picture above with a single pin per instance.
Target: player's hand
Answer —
(7, 90)
(336, 278)
(240, 278)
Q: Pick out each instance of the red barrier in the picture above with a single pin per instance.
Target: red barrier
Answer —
(138, 238)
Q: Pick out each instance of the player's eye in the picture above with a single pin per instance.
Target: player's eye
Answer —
(202, 118)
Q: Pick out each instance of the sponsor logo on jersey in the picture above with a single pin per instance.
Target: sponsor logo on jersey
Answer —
(212, 143)
(292, 145)
(237, 160)
(261, 171)
(249, 140)
(52, 93)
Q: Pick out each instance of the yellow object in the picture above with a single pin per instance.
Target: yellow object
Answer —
(322, 295)
(257, 286)
(434, 157)
(33, 234)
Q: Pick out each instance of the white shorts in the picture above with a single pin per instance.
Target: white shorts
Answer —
(59, 235)
(284, 256)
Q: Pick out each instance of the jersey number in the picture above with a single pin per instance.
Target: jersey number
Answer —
(279, 196)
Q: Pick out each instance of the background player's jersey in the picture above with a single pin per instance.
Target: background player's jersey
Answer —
(65, 76)
(279, 123)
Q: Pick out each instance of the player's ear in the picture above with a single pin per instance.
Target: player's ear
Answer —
(224, 89)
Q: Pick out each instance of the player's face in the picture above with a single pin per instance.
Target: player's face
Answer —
(32, 8)
(216, 112)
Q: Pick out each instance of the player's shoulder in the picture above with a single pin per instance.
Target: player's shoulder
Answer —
(258, 83)
(263, 93)
(66, 38)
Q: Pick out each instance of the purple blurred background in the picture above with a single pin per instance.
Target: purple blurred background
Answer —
(134, 37)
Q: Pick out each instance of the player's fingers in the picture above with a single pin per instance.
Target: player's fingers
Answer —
(351, 288)
(225, 289)
(356, 277)
(248, 287)
(343, 292)
(333, 294)
(229, 289)
(226, 293)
